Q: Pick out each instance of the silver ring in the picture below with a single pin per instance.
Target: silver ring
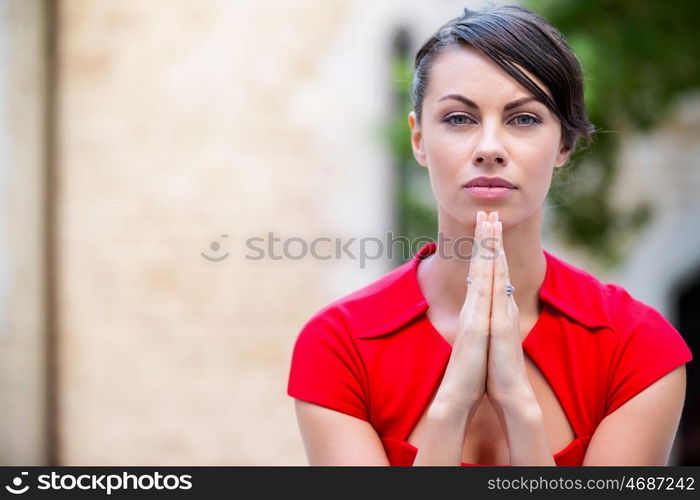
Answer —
(469, 280)
(509, 290)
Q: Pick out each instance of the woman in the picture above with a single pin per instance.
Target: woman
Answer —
(503, 354)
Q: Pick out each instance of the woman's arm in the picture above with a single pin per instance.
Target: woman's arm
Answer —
(464, 383)
(523, 422)
(445, 430)
(334, 438)
(507, 384)
(641, 431)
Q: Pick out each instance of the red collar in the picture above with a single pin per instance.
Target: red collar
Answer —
(396, 298)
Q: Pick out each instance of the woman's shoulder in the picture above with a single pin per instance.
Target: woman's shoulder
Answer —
(631, 338)
(609, 303)
(328, 361)
(377, 308)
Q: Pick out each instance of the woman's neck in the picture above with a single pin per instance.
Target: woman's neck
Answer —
(443, 274)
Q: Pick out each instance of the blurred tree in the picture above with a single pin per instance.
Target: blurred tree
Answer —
(416, 216)
(638, 57)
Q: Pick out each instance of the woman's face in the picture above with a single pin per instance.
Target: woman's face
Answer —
(458, 142)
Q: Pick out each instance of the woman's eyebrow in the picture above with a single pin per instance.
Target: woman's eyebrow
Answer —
(468, 102)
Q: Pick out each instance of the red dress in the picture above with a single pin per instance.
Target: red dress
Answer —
(375, 355)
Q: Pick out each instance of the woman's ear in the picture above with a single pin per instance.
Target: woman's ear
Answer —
(417, 139)
(562, 156)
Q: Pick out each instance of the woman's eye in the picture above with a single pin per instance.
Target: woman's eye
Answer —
(457, 119)
(527, 117)
(520, 120)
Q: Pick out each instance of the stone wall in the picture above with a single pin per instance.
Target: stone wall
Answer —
(179, 123)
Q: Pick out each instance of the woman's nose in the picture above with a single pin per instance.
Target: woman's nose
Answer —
(489, 150)
(489, 158)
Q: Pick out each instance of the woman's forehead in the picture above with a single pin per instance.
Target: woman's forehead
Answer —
(465, 70)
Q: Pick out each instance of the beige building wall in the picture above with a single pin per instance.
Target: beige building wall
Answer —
(180, 122)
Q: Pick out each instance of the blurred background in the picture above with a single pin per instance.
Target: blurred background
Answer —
(145, 144)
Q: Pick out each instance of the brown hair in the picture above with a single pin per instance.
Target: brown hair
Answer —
(509, 35)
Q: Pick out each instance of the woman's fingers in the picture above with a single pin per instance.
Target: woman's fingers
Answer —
(499, 305)
(473, 272)
(477, 305)
(466, 371)
(503, 307)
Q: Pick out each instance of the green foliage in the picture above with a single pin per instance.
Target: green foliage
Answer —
(416, 216)
(638, 57)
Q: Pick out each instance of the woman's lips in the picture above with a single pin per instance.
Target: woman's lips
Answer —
(492, 192)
